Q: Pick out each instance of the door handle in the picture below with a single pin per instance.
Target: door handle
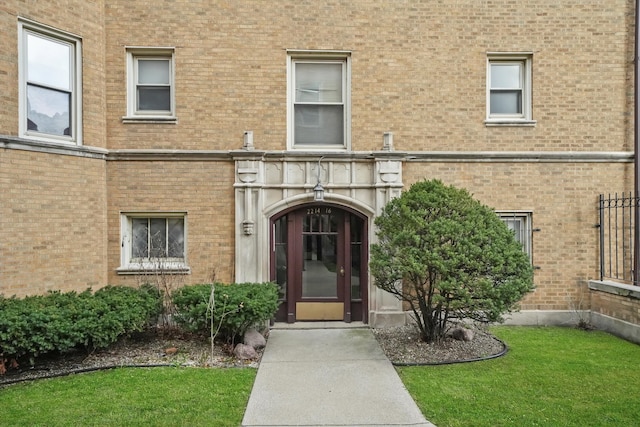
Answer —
(342, 271)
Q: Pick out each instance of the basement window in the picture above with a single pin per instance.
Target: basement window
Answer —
(520, 224)
(153, 242)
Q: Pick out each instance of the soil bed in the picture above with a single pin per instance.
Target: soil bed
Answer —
(151, 348)
(154, 348)
(403, 346)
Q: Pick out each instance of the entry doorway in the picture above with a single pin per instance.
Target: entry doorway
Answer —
(319, 259)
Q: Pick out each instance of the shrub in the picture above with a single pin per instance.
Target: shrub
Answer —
(237, 307)
(123, 310)
(40, 324)
(448, 256)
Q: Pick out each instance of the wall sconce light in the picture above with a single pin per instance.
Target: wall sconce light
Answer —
(318, 190)
(318, 193)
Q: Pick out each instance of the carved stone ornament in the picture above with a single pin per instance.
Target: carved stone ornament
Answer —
(389, 171)
(247, 171)
(247, 175)
(247, 227)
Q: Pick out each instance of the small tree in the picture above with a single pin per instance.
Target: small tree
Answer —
(447, 256)
(157, 264)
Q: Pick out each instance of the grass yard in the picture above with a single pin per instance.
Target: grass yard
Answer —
(131, 397)
(550, 377)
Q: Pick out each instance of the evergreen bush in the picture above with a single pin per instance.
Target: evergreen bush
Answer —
(58, 322)
(447, 256)
(237, 307)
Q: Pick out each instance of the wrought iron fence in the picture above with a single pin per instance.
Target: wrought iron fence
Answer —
(617, 236)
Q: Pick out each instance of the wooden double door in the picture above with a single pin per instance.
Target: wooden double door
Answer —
(319, 260)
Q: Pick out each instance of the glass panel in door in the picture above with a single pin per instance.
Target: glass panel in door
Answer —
(356, 257)
(280, 232)
(319, 275)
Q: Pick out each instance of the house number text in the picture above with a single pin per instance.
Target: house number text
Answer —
(318, 211)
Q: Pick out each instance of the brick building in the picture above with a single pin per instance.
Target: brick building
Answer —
(194, 133)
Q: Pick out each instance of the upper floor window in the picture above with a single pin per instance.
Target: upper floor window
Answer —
(50, 84)
(509, 89)
(150, 83)
(319, 96)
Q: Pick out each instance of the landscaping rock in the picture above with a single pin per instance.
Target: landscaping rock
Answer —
(170, 351)
(462, 334)
(244, 352)
(253, 338)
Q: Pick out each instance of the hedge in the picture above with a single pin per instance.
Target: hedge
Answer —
(237, 307)
(59, 322)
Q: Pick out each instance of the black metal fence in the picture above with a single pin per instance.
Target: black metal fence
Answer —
(617, 236)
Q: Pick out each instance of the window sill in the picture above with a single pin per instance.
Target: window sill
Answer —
(318, 148)
(69, 149)
(52, 139)
(151, 270)
(171, 120)
(509, 122)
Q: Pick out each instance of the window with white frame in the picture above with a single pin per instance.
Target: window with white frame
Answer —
(50, 82)
(154, 242)
(520, 224)
(509, 88)
(150, 83)
(319, 93)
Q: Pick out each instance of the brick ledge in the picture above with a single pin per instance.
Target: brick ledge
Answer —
(615, 288)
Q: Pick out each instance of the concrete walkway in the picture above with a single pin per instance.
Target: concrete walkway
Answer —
(328, 377)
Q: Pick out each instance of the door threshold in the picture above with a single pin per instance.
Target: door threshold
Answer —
(319, 325)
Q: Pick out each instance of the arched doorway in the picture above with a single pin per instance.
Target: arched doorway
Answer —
(318, 257)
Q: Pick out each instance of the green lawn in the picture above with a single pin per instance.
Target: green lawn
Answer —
(549, 377)
(131, 397)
